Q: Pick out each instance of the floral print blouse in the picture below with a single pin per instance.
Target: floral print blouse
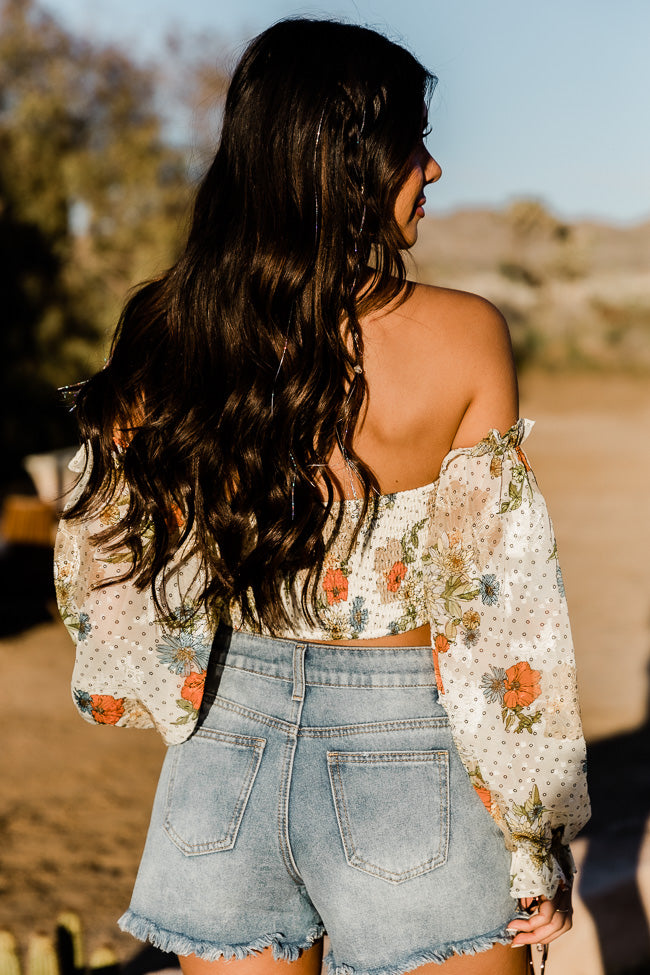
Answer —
(473, 554)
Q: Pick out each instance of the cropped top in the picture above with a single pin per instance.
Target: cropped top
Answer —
(473, 554)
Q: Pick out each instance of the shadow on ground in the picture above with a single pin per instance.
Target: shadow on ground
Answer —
(149, 959)
(26, 587)
(619, 785)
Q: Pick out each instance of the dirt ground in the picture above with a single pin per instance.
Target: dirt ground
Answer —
(75, 799)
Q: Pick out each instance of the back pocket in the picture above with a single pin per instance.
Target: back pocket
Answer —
(393, 810)
(211, 778)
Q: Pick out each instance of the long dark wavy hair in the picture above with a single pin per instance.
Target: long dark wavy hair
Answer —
(234, 375)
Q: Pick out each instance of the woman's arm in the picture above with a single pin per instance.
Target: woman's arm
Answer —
(487, 370)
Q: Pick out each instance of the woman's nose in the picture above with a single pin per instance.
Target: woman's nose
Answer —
(433, 170)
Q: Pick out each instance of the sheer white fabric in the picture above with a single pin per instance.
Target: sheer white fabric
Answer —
(473, 554)
(504, 654)
(134, 666)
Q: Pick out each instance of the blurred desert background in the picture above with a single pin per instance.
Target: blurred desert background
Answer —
(93, 198)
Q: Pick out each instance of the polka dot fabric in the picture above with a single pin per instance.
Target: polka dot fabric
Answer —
(472, 554)
(504, 656)
(134, 666)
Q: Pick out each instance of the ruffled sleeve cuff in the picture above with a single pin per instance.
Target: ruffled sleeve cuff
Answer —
(540, 872)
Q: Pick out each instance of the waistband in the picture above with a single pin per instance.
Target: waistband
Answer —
(325, 664)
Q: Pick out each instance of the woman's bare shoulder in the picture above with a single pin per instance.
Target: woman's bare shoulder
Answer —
(464, 338)
(438, 324)
(440, 374)
(462, 314)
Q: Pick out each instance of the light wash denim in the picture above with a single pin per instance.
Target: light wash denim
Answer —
(321, 792)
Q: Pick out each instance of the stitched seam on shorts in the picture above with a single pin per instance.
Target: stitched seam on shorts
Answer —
(366, 649)
(325, 683)
(369, 687)
(343, 832)
(258, 673)
(317, 731)
(443, 760)
(279, 723)
(367, 758)
(170, 781)
(337, 648)
(230, 738)
(283, 820)
(406, 724)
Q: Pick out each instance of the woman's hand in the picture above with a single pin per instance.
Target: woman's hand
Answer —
(547, 921)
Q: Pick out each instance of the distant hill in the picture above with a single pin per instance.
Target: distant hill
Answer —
(477, 240)
(575, 294)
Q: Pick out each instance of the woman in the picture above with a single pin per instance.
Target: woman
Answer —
(293, 447)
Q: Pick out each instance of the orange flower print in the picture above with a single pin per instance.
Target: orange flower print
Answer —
(514, 689)
(522, 457)
(106, 709)
(521, 685)
(481, 789)
(396, 576)
(335, 585)
(192, 689)
(440, 645)
(485, 796)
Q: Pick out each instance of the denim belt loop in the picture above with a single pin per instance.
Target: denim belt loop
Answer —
(298, 672)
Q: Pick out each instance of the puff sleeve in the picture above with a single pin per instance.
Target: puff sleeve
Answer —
(504, 656)
(134, 667)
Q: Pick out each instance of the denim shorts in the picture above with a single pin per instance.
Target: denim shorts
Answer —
(321, 792)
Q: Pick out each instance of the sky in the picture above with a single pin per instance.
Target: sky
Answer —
(536, 98)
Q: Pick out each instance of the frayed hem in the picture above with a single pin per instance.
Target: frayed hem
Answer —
(180, 944)
(471, 946)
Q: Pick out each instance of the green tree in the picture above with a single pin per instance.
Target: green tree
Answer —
(33, 304)
(92, 200)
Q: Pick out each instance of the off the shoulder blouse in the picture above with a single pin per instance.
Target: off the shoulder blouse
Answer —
(473, 554)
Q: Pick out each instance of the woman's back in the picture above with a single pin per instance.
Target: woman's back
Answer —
(440, 375)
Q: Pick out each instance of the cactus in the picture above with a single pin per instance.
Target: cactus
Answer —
(9, 962)
(41, 956)
(69, 943)
(104, 961)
